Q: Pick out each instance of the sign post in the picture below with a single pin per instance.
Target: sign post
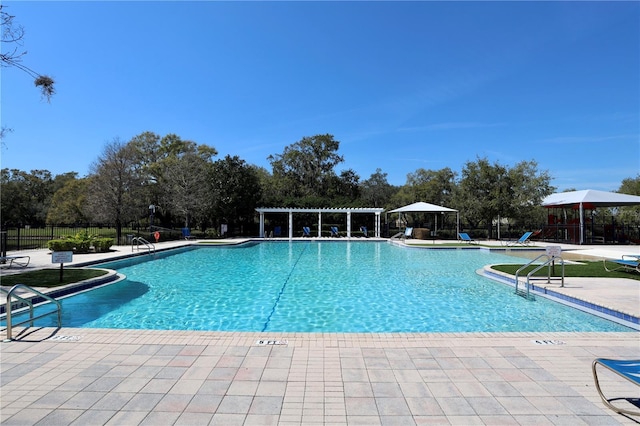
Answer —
(61, 257)
(553, 252)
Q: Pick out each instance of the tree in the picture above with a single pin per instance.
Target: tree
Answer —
(12, 37)
(306, 168)
(185, 191)
(630, 214)
(432, 186)
(25, 197)
(530, 186)
(115, 188)
(168, 166)
(484, 193)
(68, 204)
(344, 189)
(236, 191)
(489, 191)
(376, 191)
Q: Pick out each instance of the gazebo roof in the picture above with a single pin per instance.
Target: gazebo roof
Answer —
(422, 207)
(590, 197)
(319, 210)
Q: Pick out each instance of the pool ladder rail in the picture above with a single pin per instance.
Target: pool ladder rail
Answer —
(27, 303)
(549, 263)
(136, 242)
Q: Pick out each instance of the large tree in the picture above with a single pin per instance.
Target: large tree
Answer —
(25, 197)
(68, 205)
(184, 185)
(307, 167)
(115, 189)
(630, 214)
(376, 191)
(236, 191)
(490, 191)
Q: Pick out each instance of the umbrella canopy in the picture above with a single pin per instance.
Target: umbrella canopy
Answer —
(589, 199)
(421, 206)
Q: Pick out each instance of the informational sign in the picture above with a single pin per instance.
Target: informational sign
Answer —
(554, 251)
(62, 257)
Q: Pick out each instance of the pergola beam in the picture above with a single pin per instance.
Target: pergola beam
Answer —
(332, 210)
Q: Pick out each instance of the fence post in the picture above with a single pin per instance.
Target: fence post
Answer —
(3, 242)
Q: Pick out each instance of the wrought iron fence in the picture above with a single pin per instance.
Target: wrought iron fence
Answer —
(30, 238)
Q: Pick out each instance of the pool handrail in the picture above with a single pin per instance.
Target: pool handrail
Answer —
(548, 262)
(29, 303)
(137, 240)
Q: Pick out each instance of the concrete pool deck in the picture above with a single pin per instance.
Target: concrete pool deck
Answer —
(155, 377)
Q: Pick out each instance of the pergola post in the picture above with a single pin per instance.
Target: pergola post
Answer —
(319, 224)
(290, 224)
(348, 224)
(261, 224)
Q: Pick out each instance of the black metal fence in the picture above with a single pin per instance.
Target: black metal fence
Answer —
(30, 238)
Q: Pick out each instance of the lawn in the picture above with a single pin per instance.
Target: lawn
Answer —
(51, 277)
(584, 269)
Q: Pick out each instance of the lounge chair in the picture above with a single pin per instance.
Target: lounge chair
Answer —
(186, 233)
(522, 241)
(19, 261)
(408, 232)
(466, 238)
(364, 231)
(629, 262)
(630, 370)
(334, 231)
(306, 231)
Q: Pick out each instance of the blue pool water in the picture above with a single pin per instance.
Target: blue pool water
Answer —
(319, 287)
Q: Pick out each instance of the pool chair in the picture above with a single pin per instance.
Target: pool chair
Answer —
(408, 232)
(306, 231)
(277, 231)
(364, 231)
(186, 233)
(522, 241)
(334, 231)
(19, 261)
(466, 238)
(628, 369)
(629, 263)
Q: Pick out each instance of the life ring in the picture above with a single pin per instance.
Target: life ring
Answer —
(156, 235)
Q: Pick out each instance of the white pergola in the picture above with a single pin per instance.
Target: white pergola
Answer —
(345, 210)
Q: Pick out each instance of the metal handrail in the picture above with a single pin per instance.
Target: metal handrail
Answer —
(548, 262)
(32, 318)
(137, 240)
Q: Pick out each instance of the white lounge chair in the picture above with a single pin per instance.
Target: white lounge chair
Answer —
(19, 261)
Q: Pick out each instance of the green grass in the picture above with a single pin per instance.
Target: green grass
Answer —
(50, 278)
(584, 269)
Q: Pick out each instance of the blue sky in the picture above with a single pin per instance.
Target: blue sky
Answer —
(402, 86)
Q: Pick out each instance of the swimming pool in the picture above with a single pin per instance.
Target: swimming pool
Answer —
(308, 286)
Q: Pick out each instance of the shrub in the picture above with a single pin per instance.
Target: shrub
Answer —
(81, 243)
(66, 244)
(102, 245)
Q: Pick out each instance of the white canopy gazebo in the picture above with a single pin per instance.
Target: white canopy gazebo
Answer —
(346, 210)
(589, 199)
(422, 207)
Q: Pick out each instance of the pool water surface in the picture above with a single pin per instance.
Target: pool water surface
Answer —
(308, 286)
